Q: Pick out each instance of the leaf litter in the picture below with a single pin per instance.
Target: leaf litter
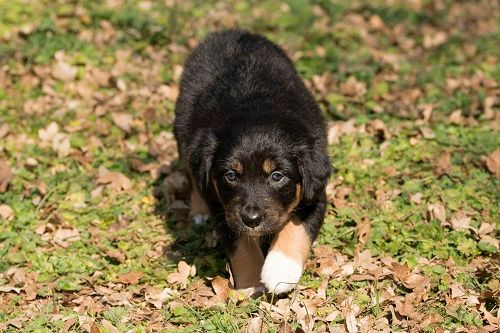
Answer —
(410, 240)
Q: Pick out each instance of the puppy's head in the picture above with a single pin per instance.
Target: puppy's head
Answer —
(261, 174)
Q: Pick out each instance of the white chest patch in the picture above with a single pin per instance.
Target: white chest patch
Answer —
(280, 273)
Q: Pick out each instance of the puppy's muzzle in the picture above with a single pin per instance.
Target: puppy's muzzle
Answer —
(251, 215)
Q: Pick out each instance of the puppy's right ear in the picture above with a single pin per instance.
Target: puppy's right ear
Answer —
(201, 152)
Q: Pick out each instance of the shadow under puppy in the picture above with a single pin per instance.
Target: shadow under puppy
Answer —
(254, 145)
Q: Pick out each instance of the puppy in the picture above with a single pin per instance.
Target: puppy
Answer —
(253, 142)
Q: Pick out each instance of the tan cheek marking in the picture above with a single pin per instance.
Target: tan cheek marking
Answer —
(246, 263)
(293, 241)
(296, 201)
(268, 166)
(237, 166)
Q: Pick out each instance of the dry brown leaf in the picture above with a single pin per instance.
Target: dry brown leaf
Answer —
(255, 325)
(170, 92)
(427, 133)
(6, 176)
(116, 181)
(364, 260)
(130, 278)
(117, 255)
(123, 120)
(94, 328)
(490, 240)
(460, 221)
(485, 228)
(351, 323)
(8, 289)
(157, 297)
(488, 104)
(4, 130)
(181, 277)
(6, 213)
(221, 287)
(442, 163)
(64, 71)
(64, 236)
(416, 198)
(492, 162)
(457, 290)
(353, 87)
(110, 328)
(434, 38)
(438, 212)
(363, 231)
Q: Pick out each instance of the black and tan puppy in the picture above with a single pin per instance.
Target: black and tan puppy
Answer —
(253, 141)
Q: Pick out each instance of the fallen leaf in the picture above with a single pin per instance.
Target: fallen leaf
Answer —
(64, 236)
(351, 323)
(460, 221)
(116, 254)
(6, 213)
(221, 287)
(434, 38)
(5, 176)
(123, 120)
(492, 162)
(457, 290)
(427, 133)
(130, 278)
(353, 87)
(4, 130)
(110, 328)
(490, 240)
(438, 212)
(157, 298)
(8, 289)
(181, 277)
(442, 163)
(116, 181)
(255, 325)
(64, 71)
(416, 198)
(363, 231)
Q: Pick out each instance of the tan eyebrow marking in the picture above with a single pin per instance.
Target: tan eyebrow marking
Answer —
(237, 166)
(268, 166)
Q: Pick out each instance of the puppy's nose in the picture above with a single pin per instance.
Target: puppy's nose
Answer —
(251, 215)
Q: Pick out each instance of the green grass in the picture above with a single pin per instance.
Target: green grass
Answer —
(141, 45)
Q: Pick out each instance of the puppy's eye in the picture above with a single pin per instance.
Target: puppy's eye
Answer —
(230, 176)
(277, 176)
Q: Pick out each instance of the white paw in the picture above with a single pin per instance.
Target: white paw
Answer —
(200, 219)
(280, 273)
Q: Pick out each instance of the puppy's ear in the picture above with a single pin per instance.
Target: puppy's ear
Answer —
(201, 152)
(315, 168)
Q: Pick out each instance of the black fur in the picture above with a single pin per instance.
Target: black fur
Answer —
(242, 100)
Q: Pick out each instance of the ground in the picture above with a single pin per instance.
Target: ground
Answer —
(93, 229)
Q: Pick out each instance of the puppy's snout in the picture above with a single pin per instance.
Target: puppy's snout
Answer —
(251, 215)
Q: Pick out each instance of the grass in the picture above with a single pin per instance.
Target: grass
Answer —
(127, 58)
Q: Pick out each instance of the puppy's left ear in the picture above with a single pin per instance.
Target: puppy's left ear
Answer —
(315, 168)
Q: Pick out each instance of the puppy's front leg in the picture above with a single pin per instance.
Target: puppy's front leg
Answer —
(285, 260)
(246, 261)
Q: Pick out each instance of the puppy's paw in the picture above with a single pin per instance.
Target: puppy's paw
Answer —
(200, 219)
(280, 273)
